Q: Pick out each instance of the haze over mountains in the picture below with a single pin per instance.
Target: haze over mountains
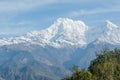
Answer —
(50, 53)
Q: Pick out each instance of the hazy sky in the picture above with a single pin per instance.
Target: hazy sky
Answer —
(20, 16)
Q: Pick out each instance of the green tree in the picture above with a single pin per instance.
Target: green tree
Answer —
(79, 74)
(106, 66)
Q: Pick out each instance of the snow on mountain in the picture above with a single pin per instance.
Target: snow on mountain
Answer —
(110, 34)
(63, 32)
(96, 33)
(66, 32)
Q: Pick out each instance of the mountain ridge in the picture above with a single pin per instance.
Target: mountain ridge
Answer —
(67, 32)
(49, 54)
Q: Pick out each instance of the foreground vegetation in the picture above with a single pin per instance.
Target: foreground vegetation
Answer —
(105, 67)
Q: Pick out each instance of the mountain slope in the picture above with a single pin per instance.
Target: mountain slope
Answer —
(49, 54)
(65, 32)
(111, 34)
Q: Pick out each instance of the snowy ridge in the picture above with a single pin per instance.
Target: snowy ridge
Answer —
(111, 34)
(66, 32)
(63, 32)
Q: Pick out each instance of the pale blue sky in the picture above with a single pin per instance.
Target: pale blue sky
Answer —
(20, 16)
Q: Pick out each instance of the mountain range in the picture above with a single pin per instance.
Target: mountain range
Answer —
(50, 53)
(66, 32)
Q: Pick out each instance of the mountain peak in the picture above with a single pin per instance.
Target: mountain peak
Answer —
(63, 19)
(110, 25)
(69, 25)
(62, 32)
(110, 33)
(67, 32)
(68, 20)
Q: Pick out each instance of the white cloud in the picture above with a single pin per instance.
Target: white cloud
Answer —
(22, 5)
(94, 11)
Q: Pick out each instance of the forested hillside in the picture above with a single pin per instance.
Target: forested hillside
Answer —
(105, 67)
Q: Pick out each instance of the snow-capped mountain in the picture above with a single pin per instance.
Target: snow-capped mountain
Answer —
(50, 53)
(110, 34)
(62, 32)
(65, 32)
(107, 32)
